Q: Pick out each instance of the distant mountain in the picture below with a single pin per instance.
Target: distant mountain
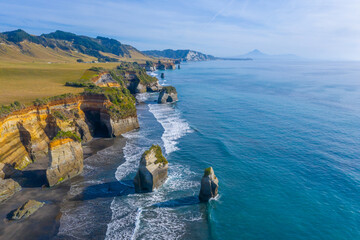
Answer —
(63, 46)
(257, 54)
(183, 55)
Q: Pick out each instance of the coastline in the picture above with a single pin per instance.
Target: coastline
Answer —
(45, 223)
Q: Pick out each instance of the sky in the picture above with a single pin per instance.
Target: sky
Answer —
(321, 29)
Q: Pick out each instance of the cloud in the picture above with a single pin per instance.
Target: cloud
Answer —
(317, 28)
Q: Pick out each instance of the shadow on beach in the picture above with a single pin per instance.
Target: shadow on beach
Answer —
(106, 190)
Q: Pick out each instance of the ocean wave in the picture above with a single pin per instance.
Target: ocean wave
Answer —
(136, 216)
(175, 127)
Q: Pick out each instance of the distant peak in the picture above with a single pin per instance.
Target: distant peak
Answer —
(17, 31)
(256, 51)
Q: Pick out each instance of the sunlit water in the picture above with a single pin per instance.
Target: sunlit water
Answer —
(283, 139)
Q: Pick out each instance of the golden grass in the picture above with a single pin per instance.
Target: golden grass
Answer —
(39, 72)
(25, 82)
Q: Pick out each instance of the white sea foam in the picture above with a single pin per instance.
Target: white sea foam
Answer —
(153, 74)
(137, 223)
(134, 216)
(175, 127)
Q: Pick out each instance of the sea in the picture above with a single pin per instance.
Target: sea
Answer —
(283, 138)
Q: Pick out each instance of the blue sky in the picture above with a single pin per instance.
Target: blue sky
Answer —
(328, 29)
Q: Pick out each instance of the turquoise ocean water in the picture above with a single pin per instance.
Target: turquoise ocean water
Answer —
(283, 139)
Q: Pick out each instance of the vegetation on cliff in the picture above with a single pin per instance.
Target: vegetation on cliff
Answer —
(207, 171)
(134, 69)
(123, 103)
(169, 89)
(44, 101)
(158, 154)
(124, 74)
(67, 134)
(7, 109)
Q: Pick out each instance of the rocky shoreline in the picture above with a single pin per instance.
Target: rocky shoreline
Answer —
(44, 223)
(43, 149)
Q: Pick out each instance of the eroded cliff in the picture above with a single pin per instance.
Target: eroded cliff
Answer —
(26, 134)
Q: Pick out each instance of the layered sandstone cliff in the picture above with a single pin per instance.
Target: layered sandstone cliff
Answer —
(26, 134)
(65, 160)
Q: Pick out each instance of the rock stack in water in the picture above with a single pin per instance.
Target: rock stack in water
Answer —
(152, 171)
(168, 94)
(209, 185)
(66, 160)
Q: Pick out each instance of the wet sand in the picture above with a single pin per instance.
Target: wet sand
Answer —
(44, 223)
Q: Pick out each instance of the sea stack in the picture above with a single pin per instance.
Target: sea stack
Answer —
(66, 160)
(162, 75)
(152, 171)
(209, 185)
(168, 94)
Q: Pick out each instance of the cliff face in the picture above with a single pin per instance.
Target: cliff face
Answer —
(66, 160)
(183, 55)
(26, 134)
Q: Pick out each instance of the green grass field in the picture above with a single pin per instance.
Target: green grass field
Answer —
(26, 82)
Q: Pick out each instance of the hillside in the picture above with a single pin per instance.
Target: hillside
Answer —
(183, 55)
(62, 46)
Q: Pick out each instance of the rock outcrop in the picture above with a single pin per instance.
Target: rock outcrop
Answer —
(105, 80)
(168, 94)
(120, 126)
(140, 88)
(152, 171)
(8, 188)
(209, 185)
(66, 160)
(154, 87)
(26, 210)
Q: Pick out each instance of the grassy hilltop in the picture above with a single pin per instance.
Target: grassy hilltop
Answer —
(34, 67)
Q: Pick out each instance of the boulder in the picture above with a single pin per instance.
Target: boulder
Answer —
(26, 210)
(152, 171)
(8, 188)
(66, 160)
(168, 94)
(209, 185)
